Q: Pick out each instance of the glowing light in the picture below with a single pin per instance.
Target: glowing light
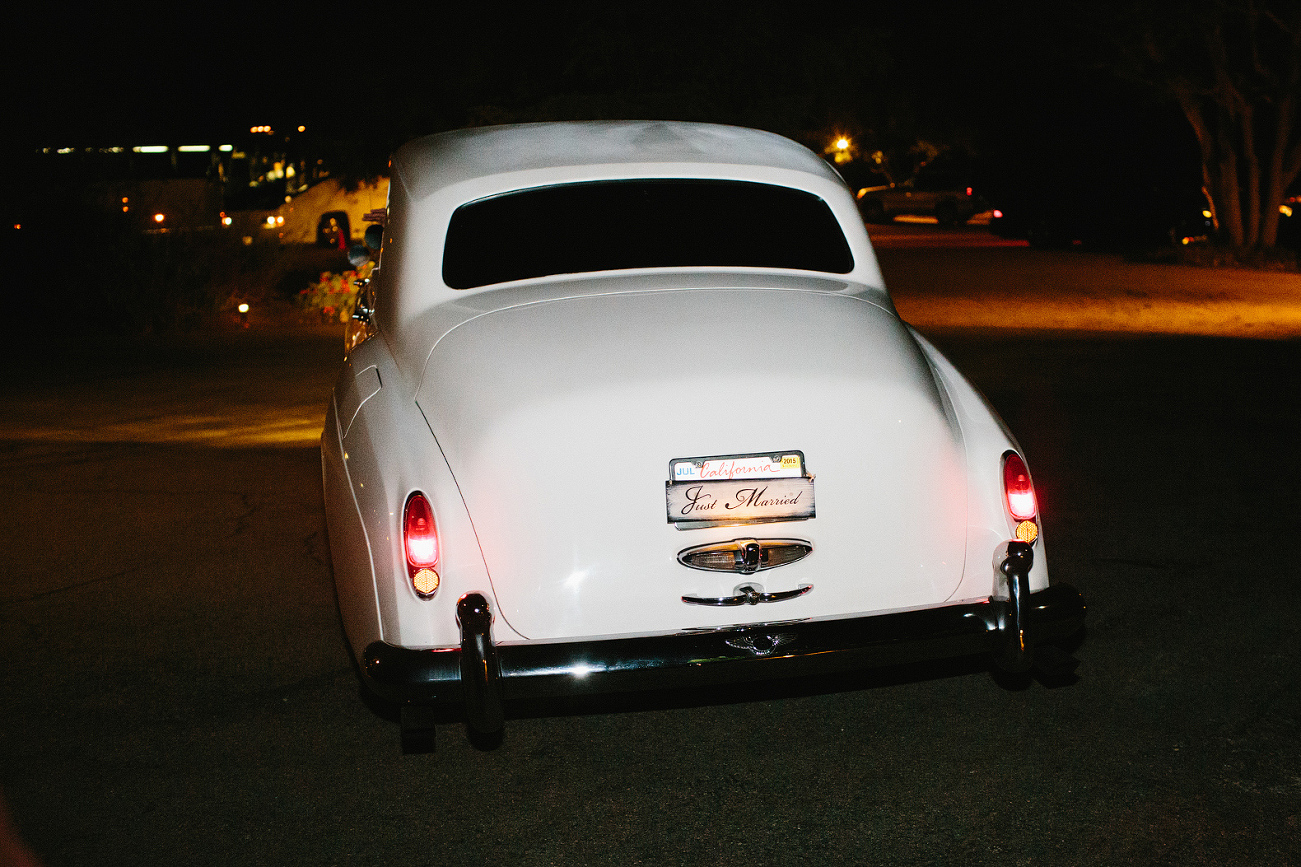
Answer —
(151, 149)
(194, 149)
(158, 218)
(1027, 531)
(1017, 489)
(421, 538)
(1285, 210)
(841, 149)
(243, 308)
(421, 548)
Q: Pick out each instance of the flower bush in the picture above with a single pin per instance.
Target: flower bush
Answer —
(334, 296)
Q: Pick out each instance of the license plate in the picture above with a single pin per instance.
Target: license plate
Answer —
(776, 465)
(738, 489)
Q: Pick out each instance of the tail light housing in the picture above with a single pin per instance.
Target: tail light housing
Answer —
(1019, 498)
(420, 542)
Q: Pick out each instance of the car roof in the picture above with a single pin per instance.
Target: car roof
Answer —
(431, 163)
(433, 176)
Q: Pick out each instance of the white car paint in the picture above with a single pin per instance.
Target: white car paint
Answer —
(540, 416)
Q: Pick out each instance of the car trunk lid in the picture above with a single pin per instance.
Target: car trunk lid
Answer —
(559, 420)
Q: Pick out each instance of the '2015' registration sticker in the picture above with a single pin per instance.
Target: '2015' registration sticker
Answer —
(738, 489)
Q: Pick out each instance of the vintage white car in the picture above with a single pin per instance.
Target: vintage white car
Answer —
(627, 406)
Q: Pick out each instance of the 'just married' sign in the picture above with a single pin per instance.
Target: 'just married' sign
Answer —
(739, 489)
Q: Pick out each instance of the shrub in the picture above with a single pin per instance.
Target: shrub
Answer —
(334, 296)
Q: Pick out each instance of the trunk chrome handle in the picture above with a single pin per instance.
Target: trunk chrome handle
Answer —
(748, 594)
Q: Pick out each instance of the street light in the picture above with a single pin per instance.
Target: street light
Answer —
(842, 149)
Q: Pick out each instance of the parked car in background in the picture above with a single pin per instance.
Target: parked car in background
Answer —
(942, 197)
(944, 187)
(627, 406)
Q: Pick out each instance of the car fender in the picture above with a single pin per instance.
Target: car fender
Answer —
(386, 443)
(986, 439)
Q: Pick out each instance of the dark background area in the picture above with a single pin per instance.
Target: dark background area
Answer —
(1015, 83)
(1018, 96)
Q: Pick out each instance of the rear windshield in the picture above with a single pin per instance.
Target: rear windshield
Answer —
(613, 225)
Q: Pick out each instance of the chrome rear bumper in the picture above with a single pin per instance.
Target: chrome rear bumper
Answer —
(481, 675)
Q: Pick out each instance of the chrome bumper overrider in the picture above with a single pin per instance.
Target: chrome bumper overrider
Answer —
(480, 675)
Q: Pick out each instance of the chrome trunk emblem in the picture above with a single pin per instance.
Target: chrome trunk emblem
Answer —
(760, 644)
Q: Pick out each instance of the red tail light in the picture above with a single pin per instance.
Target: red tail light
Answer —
(1018, 493)
(420, 539)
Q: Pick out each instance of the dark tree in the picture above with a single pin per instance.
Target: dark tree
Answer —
(1234, 67)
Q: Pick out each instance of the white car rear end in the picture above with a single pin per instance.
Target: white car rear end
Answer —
(631, 451)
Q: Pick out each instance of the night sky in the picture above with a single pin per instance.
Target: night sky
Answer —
(1006, 82)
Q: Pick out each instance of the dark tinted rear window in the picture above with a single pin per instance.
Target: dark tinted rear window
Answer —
(614, 225)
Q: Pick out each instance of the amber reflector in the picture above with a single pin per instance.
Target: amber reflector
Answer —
(1027, 531)
(425, 581)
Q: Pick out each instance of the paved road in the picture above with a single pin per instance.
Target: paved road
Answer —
(176, 688)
